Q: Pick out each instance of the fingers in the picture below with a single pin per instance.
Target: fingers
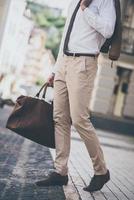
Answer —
(83, 7)
(51, 80)
(85, 4)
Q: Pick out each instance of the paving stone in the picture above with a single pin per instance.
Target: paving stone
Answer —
(119, 160)
(23, 162)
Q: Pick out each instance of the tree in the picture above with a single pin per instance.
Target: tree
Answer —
(49, 19)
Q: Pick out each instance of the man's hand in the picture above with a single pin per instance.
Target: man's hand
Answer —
(85, 3)
(51, 79)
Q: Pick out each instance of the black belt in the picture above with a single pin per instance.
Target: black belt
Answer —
(80, 54)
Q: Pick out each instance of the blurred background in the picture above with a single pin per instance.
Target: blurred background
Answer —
(30, 34)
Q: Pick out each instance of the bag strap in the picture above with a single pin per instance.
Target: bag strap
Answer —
(45, 89)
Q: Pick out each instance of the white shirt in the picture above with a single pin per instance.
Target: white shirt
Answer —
(91, 27)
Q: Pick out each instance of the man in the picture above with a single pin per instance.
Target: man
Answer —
(89, 24)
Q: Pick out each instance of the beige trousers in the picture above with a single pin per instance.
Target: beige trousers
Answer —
(73, 87)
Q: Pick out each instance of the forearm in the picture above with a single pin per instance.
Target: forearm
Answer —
(60, 54)
(56, 63)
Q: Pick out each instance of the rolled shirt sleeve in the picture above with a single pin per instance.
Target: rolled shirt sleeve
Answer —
(104, 21)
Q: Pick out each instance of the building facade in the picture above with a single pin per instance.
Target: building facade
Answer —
(15, 30)
(113, 93)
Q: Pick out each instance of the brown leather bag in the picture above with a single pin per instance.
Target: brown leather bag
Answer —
(32, 118)
(113, 45)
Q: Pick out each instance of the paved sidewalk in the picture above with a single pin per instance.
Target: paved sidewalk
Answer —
(119, 155)
(22, 162)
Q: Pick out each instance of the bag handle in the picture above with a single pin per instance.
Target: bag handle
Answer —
(45, 89)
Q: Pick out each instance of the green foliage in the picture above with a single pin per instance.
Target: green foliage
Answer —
(39, 81)
(42, 21)
(53, 44)
(47, 19)
(59, 22)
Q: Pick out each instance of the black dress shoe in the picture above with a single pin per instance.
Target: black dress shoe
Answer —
(97, 182)
(54, 179)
